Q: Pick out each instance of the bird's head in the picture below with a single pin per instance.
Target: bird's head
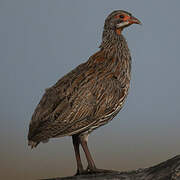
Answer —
(118, 20)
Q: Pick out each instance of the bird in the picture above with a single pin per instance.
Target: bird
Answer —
(89, 96)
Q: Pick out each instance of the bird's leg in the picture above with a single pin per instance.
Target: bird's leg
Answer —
(76, 143)
(91, 165)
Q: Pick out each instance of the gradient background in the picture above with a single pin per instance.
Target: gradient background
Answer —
(40, 41)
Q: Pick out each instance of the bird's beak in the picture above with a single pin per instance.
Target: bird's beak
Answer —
(133, 20)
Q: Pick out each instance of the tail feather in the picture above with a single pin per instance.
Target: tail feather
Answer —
(32, 144)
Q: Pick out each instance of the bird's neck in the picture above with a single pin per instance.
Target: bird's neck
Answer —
(117, 55)
(114, 45)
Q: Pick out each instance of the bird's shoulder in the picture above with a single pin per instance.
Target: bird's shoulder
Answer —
(87, 91)
(80, 85)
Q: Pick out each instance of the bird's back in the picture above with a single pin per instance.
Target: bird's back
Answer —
(84, 99)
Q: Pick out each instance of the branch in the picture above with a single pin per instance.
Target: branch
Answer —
(168, 170)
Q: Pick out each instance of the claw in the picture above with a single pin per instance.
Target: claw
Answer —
(97, 171)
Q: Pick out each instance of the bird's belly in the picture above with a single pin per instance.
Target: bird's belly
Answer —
(107, 118)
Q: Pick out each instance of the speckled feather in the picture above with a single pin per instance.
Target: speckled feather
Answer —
(87, 97)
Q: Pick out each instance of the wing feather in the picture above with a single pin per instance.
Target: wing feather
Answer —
(78, 101)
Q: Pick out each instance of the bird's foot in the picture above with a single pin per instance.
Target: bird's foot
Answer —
(80, 171)
(97, 171)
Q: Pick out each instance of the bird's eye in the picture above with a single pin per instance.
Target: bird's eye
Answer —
(121, 16)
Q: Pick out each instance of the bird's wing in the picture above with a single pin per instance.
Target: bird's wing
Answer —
(77, 101)
(62, 105)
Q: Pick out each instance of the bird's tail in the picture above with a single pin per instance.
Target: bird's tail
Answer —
(32, 144)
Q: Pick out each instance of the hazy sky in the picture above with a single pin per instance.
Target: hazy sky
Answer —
(41, 40)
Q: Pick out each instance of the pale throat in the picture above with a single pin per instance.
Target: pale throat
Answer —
(122, 24)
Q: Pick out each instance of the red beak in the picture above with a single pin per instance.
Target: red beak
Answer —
(134, 20)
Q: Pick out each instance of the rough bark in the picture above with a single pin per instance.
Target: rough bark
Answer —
(167, 170)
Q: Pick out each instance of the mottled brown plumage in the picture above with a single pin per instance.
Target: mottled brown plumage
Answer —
(90, 95)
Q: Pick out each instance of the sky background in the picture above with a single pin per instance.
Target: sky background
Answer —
(41, 40)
